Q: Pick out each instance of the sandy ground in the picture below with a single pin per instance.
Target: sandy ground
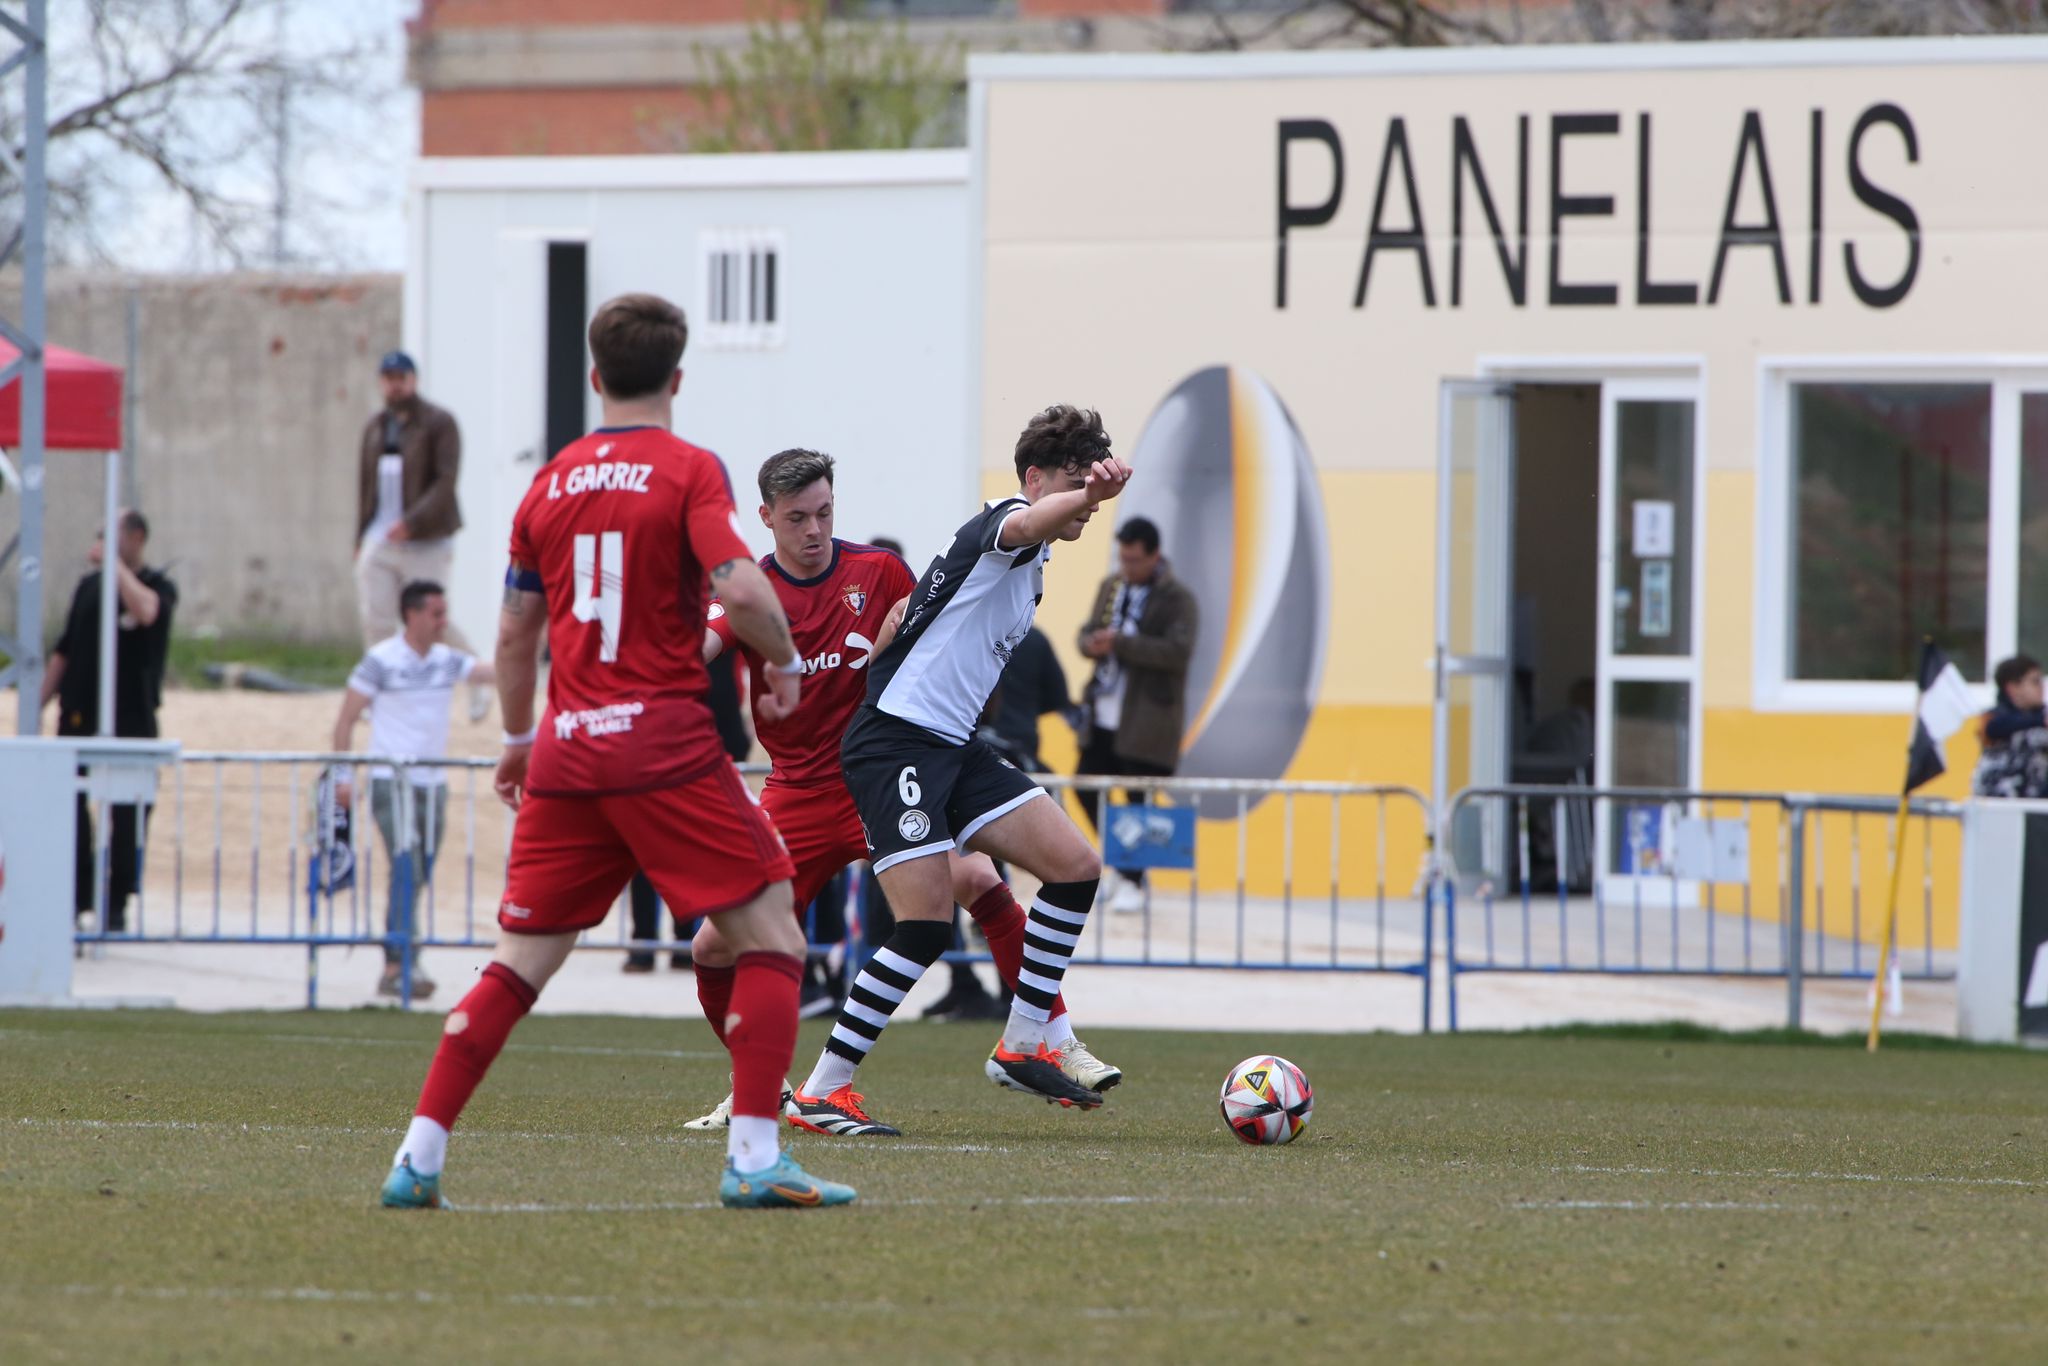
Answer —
(226, 859)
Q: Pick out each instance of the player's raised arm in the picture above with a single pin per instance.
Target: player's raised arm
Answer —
(1046, 518)
(757, 619)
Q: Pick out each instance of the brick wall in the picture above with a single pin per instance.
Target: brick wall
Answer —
(562, 122)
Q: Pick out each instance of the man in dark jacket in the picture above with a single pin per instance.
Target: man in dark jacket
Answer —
(1134, 710)
(145, 599)
(406, 513)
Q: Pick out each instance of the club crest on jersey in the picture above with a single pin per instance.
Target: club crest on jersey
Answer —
(856, 599)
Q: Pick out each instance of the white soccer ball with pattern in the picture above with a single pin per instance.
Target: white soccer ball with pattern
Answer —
(1267, 1100)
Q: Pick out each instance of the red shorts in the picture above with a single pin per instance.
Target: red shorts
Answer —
(822, 830)
(706, 845)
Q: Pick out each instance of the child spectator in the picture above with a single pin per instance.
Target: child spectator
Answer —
(2015, 734)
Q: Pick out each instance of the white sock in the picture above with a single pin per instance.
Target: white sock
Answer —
(1059, 1031)
(752, 1144)
(1022, 1033)
(831, 1073)
(426, 1143)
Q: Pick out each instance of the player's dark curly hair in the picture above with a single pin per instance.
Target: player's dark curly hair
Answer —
(1062, 437)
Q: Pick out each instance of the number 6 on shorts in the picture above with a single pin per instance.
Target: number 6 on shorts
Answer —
(907, 788)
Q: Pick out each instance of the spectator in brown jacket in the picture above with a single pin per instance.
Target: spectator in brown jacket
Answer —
(406, 512)
(1134, 709)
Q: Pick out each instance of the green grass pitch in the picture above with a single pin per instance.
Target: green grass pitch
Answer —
(202, 1188)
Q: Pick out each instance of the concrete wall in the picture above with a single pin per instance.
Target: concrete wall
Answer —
(250, 392)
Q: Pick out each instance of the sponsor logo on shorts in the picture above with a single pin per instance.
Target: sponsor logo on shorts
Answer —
(515, 910)
(616, 719)
(915, 825)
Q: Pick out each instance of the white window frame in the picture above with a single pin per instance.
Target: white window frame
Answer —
(743, 335)
(2009, 376)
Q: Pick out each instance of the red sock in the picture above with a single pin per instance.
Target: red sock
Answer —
(1002, 924)
(714, 993)
(760, 1030)
(476, 1030)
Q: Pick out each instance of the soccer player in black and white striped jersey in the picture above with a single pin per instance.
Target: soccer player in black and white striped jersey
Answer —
(924, 785)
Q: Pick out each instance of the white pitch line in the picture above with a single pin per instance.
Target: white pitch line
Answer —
(351, 1131)
(311, 1294)
(1786, 1174)
(667, 1207)
(1737, 1206)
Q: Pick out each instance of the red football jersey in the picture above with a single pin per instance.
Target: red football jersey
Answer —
(835, 618)
(620, 533)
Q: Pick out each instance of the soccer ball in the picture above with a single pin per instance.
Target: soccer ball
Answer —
(1266, 1100)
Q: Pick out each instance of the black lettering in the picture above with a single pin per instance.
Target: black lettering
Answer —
(1649, 291)
(1563, 206)
(1411, 238)
(1514, 267)
(1886, 203)
(1764, 234)
(1305, 215)
(1813, 230)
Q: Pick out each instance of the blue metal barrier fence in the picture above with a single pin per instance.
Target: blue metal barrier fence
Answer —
(1678, 883)
(1296, 877)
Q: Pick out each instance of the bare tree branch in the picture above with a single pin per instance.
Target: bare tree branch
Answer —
(179, 94)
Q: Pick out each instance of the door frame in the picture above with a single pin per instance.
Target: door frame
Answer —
(1677, 377)
(1611, 668)
(1495, 667)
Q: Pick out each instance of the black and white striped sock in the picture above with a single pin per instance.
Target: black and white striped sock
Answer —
(1052, 931)
(880, 988)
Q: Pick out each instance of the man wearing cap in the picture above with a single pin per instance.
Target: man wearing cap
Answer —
(406, 516)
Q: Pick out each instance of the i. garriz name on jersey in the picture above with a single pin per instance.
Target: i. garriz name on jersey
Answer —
(595, 478)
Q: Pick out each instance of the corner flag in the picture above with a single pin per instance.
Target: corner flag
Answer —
(1945, 704)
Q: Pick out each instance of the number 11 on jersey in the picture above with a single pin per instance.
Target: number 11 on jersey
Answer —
(600, 587)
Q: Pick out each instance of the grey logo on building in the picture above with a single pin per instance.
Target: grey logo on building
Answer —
(1229, 481)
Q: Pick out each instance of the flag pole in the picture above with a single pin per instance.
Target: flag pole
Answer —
(1934, 667)
(1891, 920)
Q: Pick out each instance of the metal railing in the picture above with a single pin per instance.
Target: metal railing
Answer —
(1685, 883)
(231, 852)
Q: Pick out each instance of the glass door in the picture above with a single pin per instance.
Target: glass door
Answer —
(1475, 559)
(1647, 717)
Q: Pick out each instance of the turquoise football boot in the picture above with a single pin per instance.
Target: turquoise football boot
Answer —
(783, 1186)
(407, 1189)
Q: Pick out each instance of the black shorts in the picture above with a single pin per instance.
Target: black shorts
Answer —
(918, 793)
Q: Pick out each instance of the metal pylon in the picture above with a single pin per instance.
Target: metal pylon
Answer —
(27, 26)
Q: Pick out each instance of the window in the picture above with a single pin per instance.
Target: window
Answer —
(743, 289)
(1890, 527)
(1897, 500)
(2033, 533)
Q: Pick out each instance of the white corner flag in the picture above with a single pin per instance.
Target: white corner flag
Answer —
(1945, 704)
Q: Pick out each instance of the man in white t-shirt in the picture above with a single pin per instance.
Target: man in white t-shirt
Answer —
(407, 682)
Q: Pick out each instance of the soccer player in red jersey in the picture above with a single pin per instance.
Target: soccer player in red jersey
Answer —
(612, 549)
(841, 599)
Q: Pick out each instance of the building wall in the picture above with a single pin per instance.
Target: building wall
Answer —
(1179, 258)
(873, 367)
(250, 392)
(619, 77)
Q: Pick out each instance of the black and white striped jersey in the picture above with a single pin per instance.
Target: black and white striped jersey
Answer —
(966, 615)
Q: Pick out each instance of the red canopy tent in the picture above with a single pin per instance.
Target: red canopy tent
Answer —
(81, 412)
(81, 407)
